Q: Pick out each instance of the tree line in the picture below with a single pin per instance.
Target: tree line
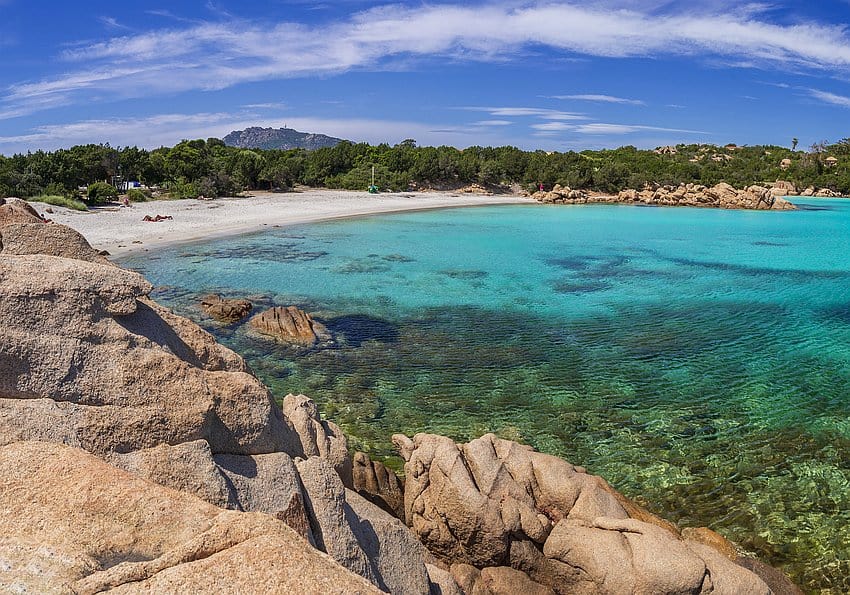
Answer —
(210, 168)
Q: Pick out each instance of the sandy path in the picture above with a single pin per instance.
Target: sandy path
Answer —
(121, 231)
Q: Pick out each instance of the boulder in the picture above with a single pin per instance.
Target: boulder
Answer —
(442, 582)
(51, 240)
(18, 211)
(495, 580)
(318, 438)
(86, 360)
(226, 310)
(378, 484)
(187, 467)
(267, 483)
(290, 325)
(73, 523)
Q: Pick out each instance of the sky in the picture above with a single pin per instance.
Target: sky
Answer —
(538, 75)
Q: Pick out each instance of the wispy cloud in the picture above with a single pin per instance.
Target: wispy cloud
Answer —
(112, 23)
(600, 99)
(830, 98)
(536, 112)
(619, 129)
(168, 129)
(266, 106)
(230, 51)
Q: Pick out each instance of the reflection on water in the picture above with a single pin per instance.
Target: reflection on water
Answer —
(699, 360)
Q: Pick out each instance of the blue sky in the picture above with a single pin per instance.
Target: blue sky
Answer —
(550, 75)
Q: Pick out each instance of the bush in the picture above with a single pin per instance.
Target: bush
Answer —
(137, 195)
(60, 201)
(101, 193)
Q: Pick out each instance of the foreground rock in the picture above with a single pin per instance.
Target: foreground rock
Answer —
(226, 310)
(721, 196)
(495, 503)
(72, 523)
(290, 325)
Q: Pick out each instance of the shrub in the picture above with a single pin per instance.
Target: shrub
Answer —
(101, 193)
(137, 195)
(60, 201)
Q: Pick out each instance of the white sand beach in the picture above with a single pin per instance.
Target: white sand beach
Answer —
(121, 230)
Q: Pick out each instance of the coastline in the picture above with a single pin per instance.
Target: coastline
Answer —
(121, 231)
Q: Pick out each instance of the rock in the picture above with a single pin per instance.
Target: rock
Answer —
(187, 467)
(785, 188)
(442, 582)
(87, 361)
(378, 484)
(225, 310)
(331, 518)
(775, 579)
(267, 483)
(705, 536)
(397, 556)
(290, 325)
(72, 523)
(18, 211)
(51, 240)
(649, 559)
(318, 438)
(810, 191)
(722, 196)
(495, 580)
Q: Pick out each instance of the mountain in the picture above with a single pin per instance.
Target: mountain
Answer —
(278, 138)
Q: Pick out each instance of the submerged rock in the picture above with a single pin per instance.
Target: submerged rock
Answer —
(225, 309)
(291, 325)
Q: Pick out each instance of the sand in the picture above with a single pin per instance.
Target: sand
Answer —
(121, 231)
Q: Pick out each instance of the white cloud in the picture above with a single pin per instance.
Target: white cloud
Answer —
(831, 98)
(537, 112)
(619, 129)
(204, 55)
(600, 99)
(493, 123)
(553, 126)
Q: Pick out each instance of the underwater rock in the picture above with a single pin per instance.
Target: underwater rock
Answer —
(225, 309)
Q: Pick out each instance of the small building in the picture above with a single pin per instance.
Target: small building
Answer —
(830, 161)
(785, 164)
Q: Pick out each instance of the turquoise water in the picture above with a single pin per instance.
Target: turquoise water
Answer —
(697, 359)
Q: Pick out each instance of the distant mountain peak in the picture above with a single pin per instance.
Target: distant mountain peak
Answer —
(256, 137)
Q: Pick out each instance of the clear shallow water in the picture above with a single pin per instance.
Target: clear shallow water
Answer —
(697, 359)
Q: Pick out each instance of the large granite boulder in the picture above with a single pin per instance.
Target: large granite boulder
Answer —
(18, 211)
(50, 240)
(290, 325)
(493, 502)
(378, 484)
(86, 360)
(226, 310)
(71, 523)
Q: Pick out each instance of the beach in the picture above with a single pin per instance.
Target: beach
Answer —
(122, 230)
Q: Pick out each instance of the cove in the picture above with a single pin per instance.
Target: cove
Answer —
(697, 359)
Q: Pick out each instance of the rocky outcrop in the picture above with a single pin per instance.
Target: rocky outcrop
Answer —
(492, 502)
(50, 240)
(784, 188)
(721, 196)
(226, 310)
(378, 484)
(72, 523)
(18, 211)
(318, 438)
(290, 325)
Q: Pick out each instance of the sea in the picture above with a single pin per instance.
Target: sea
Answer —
(698, 359)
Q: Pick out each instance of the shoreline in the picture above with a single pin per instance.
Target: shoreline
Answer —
(121, 231)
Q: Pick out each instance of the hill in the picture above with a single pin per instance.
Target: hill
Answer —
(278, 138)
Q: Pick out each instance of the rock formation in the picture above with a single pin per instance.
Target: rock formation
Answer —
(290, 325)
(226, 310)
(137, 454)
(721, 196)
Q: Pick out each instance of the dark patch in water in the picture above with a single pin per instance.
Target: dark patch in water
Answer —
(359, 266)
(840, 312)
(766, 243)
(359, 328)
(398, 258)
(464, 275)
(281, 253)
(797, 275)
(575, 287)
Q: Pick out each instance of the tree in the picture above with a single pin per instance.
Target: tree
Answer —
(794, 142)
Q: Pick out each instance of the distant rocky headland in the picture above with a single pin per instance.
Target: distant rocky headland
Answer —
(720, 196)
(138, 454)
(278, 138)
